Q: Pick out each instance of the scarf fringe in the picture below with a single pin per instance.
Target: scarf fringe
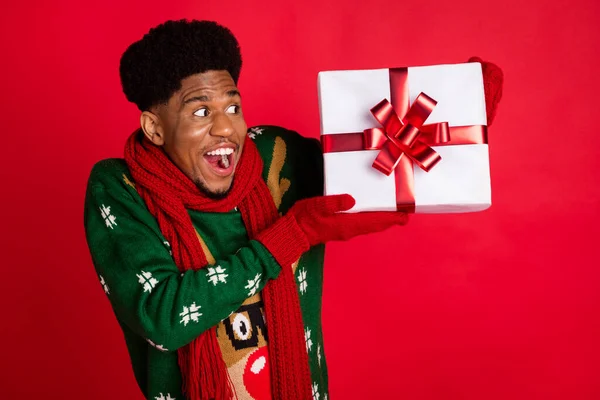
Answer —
(208, 378)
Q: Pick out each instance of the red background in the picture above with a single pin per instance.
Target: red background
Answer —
(501, 304)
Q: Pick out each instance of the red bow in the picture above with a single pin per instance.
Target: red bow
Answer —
(405, 136)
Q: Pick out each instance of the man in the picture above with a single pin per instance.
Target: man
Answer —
(209, 245)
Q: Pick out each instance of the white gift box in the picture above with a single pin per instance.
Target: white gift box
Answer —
(460, 182)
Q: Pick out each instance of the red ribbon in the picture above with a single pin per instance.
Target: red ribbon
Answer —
(401, 136)
(406, 135)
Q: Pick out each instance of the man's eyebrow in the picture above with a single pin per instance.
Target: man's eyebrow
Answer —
(203, 98)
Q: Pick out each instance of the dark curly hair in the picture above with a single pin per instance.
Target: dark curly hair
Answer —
(152, 68)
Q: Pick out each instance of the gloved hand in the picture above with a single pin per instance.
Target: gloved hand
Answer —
(493, 80)
(319, 220)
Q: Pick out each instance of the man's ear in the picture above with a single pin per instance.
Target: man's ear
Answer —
(152, 128)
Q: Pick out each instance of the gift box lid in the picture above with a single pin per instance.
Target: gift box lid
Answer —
(345, 97)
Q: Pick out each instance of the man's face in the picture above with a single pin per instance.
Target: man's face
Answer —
(203, 130)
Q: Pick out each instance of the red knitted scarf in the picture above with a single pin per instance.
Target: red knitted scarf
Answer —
(168, 193)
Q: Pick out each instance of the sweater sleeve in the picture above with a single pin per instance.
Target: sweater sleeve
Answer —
(296, 160)
(146, 289)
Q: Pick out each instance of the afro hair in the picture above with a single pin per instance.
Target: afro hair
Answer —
(152, 68)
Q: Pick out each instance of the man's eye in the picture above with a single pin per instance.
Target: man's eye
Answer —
(203, 112)
(233, 109)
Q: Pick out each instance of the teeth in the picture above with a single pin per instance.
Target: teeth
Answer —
(220, 152)
(225, 160)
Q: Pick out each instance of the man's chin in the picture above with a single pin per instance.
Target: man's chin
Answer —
(217, 194)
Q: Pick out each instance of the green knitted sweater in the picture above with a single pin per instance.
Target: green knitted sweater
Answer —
(161, 309)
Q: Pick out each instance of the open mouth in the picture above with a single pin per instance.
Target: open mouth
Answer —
(221, 160)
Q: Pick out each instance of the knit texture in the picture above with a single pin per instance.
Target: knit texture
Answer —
(168, 193)
(161, 309)
(322, 219)
(277, 239)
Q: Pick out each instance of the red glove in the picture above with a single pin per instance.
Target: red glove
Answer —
(493, 79)
(318, 220)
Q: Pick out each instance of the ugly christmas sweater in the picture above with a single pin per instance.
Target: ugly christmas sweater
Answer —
(161, 309)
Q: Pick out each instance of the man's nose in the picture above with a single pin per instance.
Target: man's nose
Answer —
(222, 125)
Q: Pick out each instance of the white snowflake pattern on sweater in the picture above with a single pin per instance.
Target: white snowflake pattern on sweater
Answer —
(162, 397)
(253, 285)
(254, 132)
(168, 247)
(104, 285)
(309, 342)
(302, 280)
(157, 346)
(319, 354)
(315, 391)
(190, 314)
(109, 219)
(147, 281)
(216, 275)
